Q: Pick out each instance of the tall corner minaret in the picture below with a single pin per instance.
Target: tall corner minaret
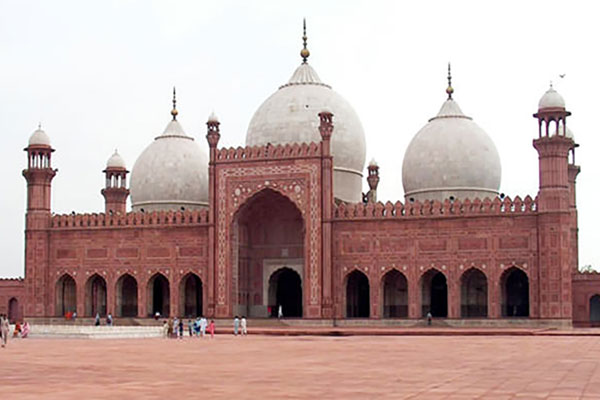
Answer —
(555, 204)
(39, 175)
(39, 172)
(115, 191)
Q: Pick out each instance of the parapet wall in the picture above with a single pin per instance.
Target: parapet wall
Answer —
(269, 152)
(436, 208)
(132, 219)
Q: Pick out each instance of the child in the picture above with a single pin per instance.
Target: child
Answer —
(211, 329)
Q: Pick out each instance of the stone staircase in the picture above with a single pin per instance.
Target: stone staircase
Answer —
(94, 332)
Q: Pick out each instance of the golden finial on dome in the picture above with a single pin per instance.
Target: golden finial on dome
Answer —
(449, 89)
(174, 110)
(304, 53)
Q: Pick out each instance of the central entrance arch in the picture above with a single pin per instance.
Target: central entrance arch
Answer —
(267, 234)
(158, 296)
(285, 290)
(434, 294)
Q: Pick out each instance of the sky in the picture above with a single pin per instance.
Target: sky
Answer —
(98, 75)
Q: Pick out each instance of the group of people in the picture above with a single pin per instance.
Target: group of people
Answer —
(174, 328)
(200, 327)
(109, 319)
(21, 331)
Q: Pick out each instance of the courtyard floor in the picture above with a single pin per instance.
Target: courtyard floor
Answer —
(316, 367)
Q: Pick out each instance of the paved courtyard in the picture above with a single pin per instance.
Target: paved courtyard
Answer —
(264, 367)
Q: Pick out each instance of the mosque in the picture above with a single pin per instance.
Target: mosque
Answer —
(283, 222)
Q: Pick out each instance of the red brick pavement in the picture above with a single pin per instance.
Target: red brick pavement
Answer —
(277, 367)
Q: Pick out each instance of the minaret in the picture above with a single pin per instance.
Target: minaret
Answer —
(39, 172)
(373, 181)
(212, 136)
(39, 175)
(555, 247)
(115, 191)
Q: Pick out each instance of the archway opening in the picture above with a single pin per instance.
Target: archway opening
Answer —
(473, 294)
(13, 310)
(515, 293)
(395, 295)
(267, 233)
(95, 296)
(595, 310)
(285, 290)
(66, 296)
(158, 296)
(190, 292)
(127, 295)
(357, 295)
(434, 294)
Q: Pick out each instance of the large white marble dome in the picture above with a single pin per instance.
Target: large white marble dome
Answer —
(171, 173)
(451, 157)
(290, 115)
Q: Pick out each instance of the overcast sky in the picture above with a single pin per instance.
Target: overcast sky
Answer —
(99, 75)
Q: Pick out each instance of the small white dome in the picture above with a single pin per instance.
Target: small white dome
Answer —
(171, 173)
(560, 131)
(116, 161)
(290, 115)
(451, 157)
(551, 99)
(213, 117)
(39, 138)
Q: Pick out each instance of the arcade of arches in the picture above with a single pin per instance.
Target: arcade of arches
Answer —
(283, 286)
(268, 245)
(127, 296)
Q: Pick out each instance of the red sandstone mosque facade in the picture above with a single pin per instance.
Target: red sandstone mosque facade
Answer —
(282, 221)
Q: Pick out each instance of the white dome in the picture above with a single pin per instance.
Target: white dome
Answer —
(39, 138)
(551, 99)
(116, 161)
(561, 130)
(290, 115)
(450, 157)
(171, 173)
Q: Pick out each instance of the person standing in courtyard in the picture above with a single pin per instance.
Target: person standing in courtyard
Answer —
(429, 318)
(244, 326)
(236, 325)
(180, 328)
(203, 323)
(97, 320)
(109, 319)
(4, 327)
(25, 331)
(211, 329)
(280, 312)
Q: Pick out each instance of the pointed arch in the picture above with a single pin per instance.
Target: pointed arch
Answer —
(358, 296)
(394, 292)
(267, 232)
(14, 313)
(434, 293)
(66, 295)
(473, 294)
(514, 285)
(159, 295)
(126, 296)
(95, 296)
(191, 295)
